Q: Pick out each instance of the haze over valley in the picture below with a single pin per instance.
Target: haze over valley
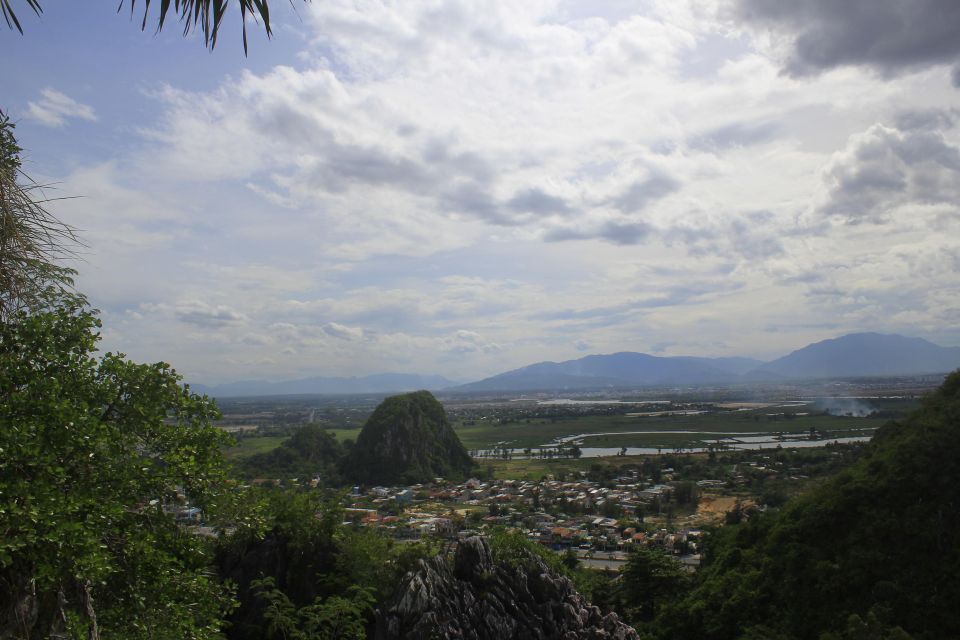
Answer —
(850, 356)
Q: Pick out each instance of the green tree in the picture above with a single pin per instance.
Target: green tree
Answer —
(306, 576)
(94, 450)
(869, 628)
(570, 559)
(312, 452)
(339, 617)
(336, 618)
(686, 492)
(611, 509)
(278, 612)
(865, 554)
(650, 580)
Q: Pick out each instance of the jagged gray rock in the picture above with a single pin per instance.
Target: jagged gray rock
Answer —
(471, 597)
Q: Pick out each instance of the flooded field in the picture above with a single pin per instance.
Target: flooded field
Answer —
(727, 444)
(617, 428)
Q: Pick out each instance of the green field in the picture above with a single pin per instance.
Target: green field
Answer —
(656, 430)
(345, 434)
(249, 446)
(619, 430)
(537, 469)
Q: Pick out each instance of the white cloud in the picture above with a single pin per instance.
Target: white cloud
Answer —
(207, 315)
(885, 169)
(54, 108)
(466, 187)
(342, 332)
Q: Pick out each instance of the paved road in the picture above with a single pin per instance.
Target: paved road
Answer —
(613, 560)
(602, 563)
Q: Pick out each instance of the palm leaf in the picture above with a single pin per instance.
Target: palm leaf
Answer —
(33, 242)
(11, 17)
(205, 16)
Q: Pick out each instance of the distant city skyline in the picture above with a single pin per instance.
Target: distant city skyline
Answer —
(463, 188)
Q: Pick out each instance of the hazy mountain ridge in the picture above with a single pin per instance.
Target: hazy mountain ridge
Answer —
(851, 355)
(376, 383)
(866, 354)
(615, 370)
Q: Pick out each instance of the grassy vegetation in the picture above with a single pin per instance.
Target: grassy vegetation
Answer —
(345, 434)
(249, 446)
(617, 430)
(708, 426)
(536, 469)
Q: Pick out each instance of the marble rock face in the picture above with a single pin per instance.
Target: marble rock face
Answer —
(469, 596)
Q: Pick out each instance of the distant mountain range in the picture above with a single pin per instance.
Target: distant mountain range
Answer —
(616, 370)
(866, 354)
(852, 355)
(378, 383)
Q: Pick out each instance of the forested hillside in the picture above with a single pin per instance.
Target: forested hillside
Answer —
(408, 439)
(311, 452)
(875, 548)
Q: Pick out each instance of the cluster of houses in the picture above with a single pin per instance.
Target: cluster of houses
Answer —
(581, 515)
(628, 493)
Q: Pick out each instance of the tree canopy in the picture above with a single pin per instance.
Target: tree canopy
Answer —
(95, 454)
(312, 452)
(866, 554)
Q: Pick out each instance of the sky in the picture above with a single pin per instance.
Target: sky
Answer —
(462, 188)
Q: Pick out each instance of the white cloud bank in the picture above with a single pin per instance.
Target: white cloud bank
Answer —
(54, 108)
(465, 187)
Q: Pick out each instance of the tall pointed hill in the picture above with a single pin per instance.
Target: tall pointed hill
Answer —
(408, 439)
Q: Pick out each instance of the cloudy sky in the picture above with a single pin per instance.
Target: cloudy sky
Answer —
(464, 187)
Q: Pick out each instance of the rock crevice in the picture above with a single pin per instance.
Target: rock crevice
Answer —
(470, 596)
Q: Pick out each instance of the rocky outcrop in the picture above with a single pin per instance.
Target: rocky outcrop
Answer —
(470, 596)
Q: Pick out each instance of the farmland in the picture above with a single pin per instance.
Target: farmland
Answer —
(668, 425)
(488, 428)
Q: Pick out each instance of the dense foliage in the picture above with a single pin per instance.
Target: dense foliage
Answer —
(870, 553)
(308, 576)
(514, 549)
(312, 452)
(408, 439)
(92, 450)
(650, 580)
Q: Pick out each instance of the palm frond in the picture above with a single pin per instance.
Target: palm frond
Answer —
(11, 17)
(205, 16)
(33, 242)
